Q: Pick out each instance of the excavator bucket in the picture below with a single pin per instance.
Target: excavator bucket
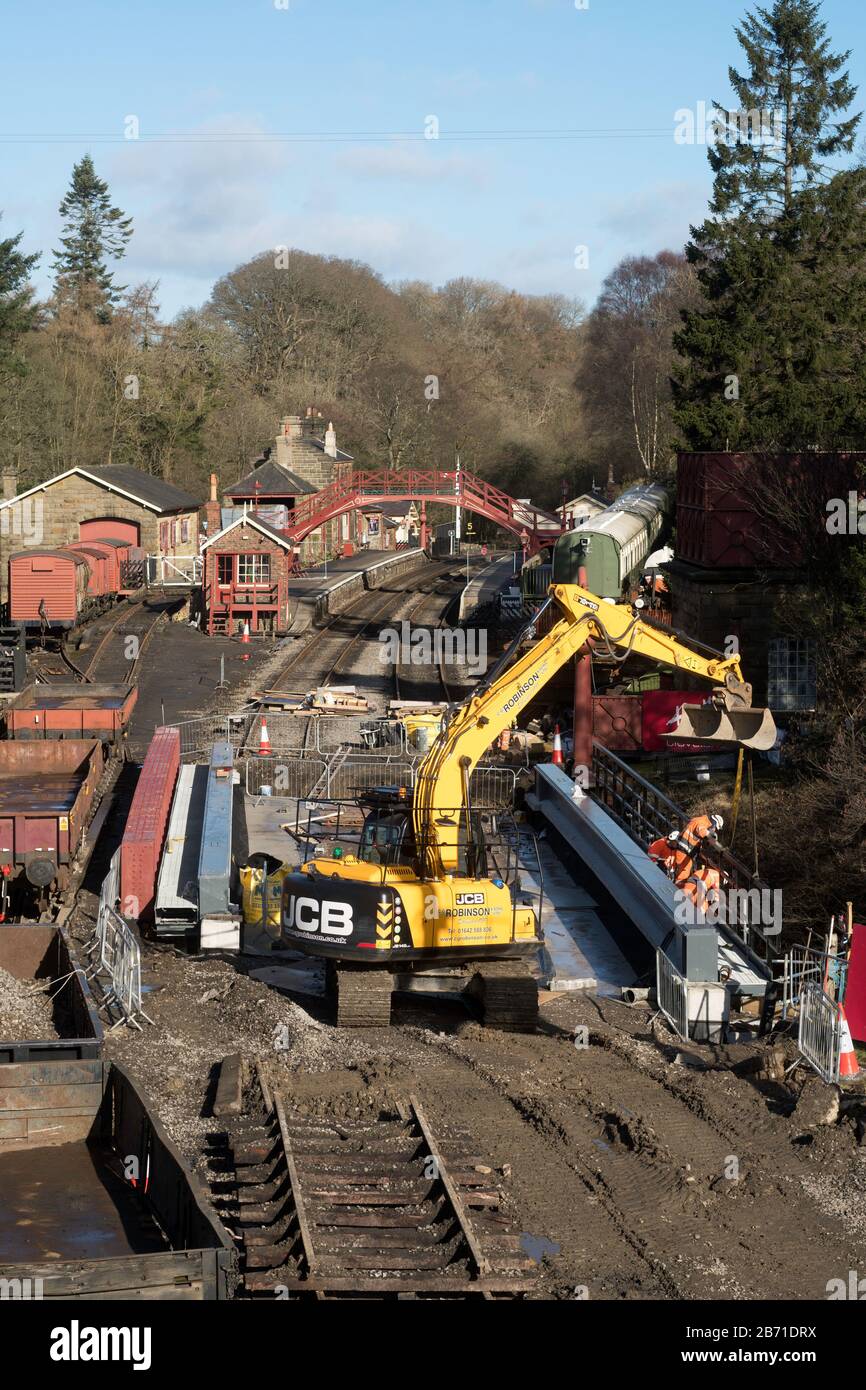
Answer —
(711, 723)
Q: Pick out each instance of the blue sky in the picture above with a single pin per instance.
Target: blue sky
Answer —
(223, 78)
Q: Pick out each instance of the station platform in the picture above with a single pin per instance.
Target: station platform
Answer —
(487, 585)
(313, 595)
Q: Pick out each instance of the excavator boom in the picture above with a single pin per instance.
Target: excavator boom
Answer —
(617, 628)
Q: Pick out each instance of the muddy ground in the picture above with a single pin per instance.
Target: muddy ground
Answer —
(642, 1176)
(648, 1177)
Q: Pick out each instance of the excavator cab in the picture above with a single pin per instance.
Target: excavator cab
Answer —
(388, 838)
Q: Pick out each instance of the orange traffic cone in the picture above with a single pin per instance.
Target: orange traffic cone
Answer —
(849, 1067)
(264, 741)
(557, 748)
(245, 638)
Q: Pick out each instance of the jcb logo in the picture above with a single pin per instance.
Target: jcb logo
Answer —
(465, 898)
(307, 914)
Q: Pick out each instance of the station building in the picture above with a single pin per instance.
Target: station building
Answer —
(245, 576)
(302, 460)
(156, 517)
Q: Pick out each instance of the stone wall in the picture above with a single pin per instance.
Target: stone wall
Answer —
(51, 517)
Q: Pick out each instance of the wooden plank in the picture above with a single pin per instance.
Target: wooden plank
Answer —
(396, 1283)
(36, 1073)
(229, 1091)
(52, 1100)
(298, 1196)
(481, 1262)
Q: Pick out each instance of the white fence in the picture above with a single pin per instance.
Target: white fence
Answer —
(173, 571)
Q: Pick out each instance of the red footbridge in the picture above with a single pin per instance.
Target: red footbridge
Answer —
(455, 488)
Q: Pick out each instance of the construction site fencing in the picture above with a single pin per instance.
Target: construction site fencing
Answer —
(198, 736)
(115, 955)
(293, 777)
(799, 967)
(672, 994)
(345, 775)
(290, 733)
(820, 1032)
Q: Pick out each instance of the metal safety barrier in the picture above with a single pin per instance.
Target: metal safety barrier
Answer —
(343, 775)
(114, 953)
(672, 994)
(820, 1032)
(799, 967)
(284, 776)
(200, 735)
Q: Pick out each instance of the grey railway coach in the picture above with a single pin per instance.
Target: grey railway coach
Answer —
(613, 545)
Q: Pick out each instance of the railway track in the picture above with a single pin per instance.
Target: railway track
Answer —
(415, 681)
(325, 657)
(385, 1207)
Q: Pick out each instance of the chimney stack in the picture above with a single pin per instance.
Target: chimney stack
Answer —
(331, 440)
(10, 483)
(212, 508)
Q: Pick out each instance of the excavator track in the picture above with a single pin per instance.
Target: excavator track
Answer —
(363, 997)
(508, 995)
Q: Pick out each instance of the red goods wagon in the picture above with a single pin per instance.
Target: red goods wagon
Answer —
(143, 837)
(47, 587)
(108, 555)
(121, 558)
(100, 568)
(70, 711)
(46, 791)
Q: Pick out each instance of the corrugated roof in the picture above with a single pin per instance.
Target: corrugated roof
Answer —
(273, 481)
(154, 491)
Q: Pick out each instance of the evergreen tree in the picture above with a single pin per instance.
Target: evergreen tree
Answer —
(95, 232)
(792, 91)
(771, 357)
(17, 312)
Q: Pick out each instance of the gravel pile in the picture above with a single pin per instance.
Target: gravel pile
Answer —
(26, 1011)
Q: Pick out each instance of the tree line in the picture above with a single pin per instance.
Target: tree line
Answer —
(750, 337)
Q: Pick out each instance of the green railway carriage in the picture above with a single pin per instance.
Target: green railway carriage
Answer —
(614, 545)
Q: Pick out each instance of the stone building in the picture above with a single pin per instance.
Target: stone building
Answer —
(110, 500)
(302, 460)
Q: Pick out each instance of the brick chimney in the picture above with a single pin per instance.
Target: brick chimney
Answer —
(331, 440)
(10, 483)
(212, 508)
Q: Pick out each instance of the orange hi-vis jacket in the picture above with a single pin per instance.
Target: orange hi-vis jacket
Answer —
(678, 857)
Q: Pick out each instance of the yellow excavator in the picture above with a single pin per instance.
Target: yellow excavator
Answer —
(426, 891)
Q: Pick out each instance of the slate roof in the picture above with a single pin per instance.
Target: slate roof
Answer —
(155, 491)
(273, 480)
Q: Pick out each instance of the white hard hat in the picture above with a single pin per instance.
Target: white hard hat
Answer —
(717, 821)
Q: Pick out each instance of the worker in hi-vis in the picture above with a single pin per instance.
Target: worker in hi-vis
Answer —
(680, 851)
